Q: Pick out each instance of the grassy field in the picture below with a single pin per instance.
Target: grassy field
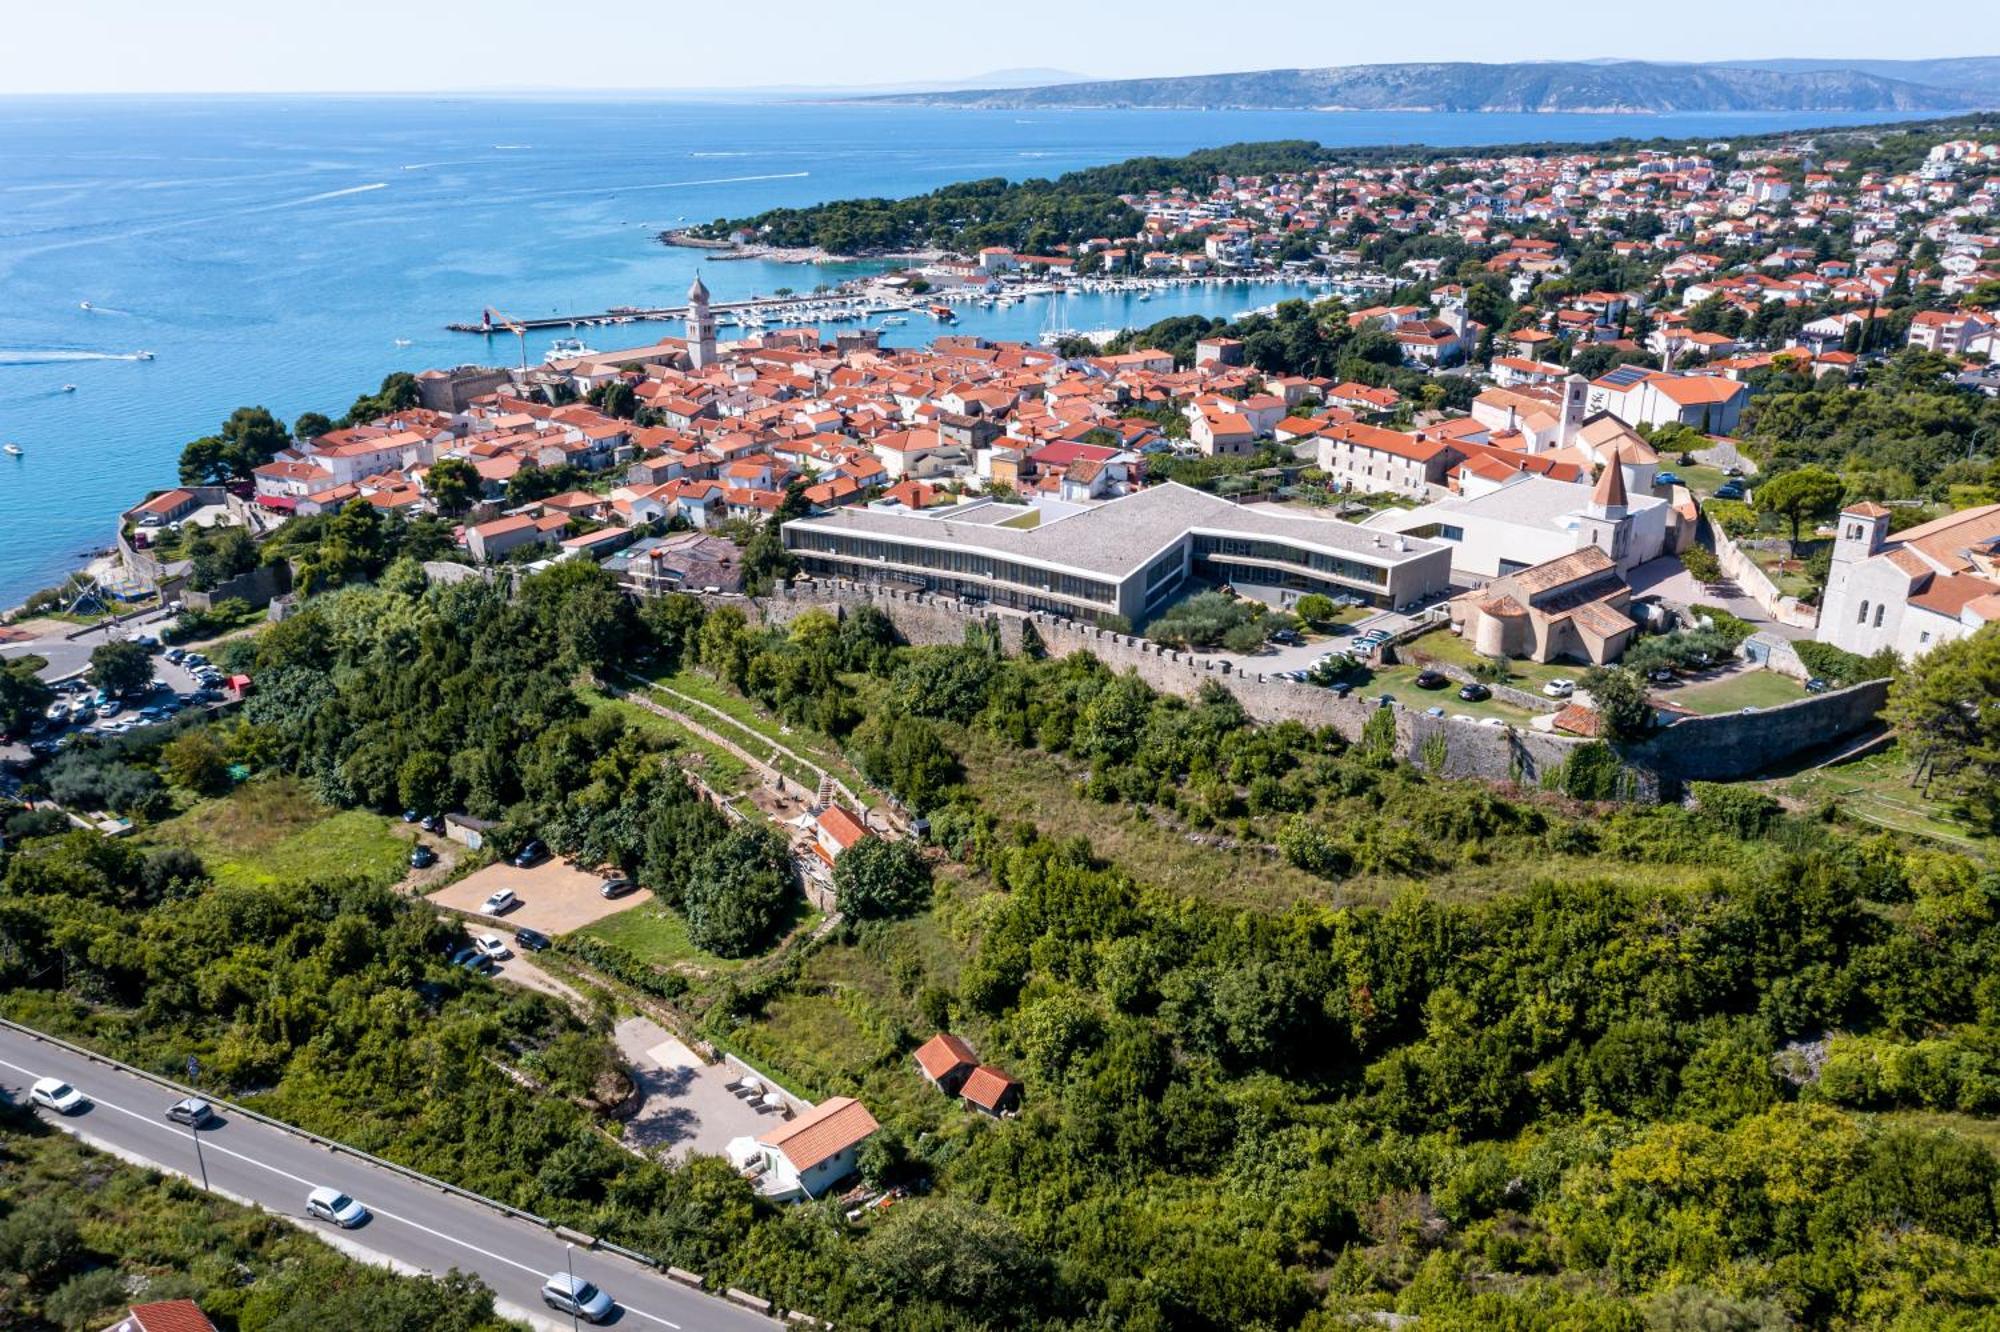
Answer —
(718, 767)
(1876, 789)
(756, 725)
(271, 831)
(1038, 787)
(1443, 645)
(1733, 692)
(658, 935)
(1400, 682)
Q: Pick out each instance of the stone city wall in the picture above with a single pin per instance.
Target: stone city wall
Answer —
(1720, 748)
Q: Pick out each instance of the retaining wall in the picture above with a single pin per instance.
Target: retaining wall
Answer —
(1699, 749)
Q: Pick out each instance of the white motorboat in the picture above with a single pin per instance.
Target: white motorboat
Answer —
(14, 449)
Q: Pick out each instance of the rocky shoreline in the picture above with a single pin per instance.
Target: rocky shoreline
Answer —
(721, 250)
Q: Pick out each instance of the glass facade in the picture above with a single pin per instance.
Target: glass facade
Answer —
(950, 568)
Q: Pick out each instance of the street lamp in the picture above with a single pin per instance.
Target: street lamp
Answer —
(569, 1265)
(194, 1130)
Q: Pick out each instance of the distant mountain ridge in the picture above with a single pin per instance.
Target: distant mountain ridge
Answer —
(1563, 86)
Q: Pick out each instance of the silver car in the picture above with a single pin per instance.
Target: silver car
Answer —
(335, 1206)
(573, 1295)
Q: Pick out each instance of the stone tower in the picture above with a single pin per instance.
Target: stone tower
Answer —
(700, 326)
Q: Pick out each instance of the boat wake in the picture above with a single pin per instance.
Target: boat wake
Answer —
(56, 356)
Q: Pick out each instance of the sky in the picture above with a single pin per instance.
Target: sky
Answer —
(141, 46)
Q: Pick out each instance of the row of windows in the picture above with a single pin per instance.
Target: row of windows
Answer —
(951, 560)
(1333, 566)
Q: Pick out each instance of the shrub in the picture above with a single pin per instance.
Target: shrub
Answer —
(1831, 663)
(881, 880)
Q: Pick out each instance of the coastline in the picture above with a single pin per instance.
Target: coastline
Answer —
(727, 251)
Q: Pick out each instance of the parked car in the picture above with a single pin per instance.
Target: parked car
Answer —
(1661, 676)
(1434, 712)
(1729, 490)
(1341, 689)
(471, 959)
(432, 823)
(492, 946)
(422, 857)
(500, 903)
(1559, 688)
(1666, 479)
(616, 887)
(335, 1206)
(1429, 679)
(176, 655)
(573, 1295)
(192, 1111)
(532, 853)
(1286, 637)
(1816, 686)
(411, 816)
(58, 1096)
(533, 941)
(1474, 692)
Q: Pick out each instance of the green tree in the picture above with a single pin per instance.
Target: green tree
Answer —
(120, 666)
(250, 438)
(454, 485)
(1795, 496)
(1619, 696)
(1946, 708)
(24, 696)
(194, 761)
(1701, 564)
(1316, 608)
(220, 554)
(311, 425)
(877, 879)
(424, 782)
(740, 891)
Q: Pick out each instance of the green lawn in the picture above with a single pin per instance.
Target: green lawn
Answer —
(749, 717)
(1443, 645)
(270, 830)
(1400, 682)
(655, 934)
(1876, 789)
(1702, 480)
(1040, 788)
(718, 767)
(1733, 692)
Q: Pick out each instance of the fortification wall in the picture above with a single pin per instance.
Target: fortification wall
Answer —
(1721, 748)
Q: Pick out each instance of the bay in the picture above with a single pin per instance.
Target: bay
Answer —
(282, 250)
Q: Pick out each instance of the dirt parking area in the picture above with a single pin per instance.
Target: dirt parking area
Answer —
(556, 896)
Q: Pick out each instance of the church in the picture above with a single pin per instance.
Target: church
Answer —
(1914, 589)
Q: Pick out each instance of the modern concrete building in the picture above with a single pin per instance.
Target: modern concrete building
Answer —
(1127, 557)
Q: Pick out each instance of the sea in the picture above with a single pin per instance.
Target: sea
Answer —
(290, 252)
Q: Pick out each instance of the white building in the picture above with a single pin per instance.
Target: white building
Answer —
(808, 1156)
(1531, 520)
(1915, 590)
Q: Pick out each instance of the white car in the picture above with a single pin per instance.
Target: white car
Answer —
(57, 1095)
(491, 946)
(500, 903)
(1559, 688)
(335, 1206)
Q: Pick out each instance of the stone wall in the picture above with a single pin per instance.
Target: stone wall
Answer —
(1739, 568)
(1721, 748)
(1468, 749)
(1740, 744)
(258, 587)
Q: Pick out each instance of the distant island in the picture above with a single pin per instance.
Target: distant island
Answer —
(1545, 86)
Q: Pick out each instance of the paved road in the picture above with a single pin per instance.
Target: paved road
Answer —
(67, 656)
(413, 1227)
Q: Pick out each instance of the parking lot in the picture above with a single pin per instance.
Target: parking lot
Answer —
(556, 897)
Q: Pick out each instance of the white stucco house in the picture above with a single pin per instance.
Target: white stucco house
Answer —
(809, 1155)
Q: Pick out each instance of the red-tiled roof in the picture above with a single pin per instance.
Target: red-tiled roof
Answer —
(941, 1054)
(833, 1127)
(986, 1087)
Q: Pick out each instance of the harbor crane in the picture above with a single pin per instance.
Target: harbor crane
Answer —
(490, 316)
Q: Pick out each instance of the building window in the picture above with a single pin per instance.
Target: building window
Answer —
(1863, 617)
(1924, 637)
(1878, 613)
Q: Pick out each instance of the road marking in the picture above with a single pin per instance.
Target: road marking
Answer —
(155, 1122)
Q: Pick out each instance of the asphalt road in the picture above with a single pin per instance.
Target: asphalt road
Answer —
(67, 656)
(413, 1226)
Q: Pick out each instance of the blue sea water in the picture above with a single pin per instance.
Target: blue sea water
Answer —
(275, 250)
